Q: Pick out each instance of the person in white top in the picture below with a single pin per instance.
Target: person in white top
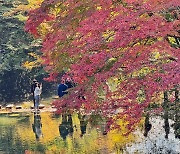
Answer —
(37, 93)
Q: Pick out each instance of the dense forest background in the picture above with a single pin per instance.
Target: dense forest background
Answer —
(17, 49)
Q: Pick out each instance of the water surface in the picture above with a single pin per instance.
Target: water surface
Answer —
(49, 133)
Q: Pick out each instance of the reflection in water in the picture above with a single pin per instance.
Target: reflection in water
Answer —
(66, 127)
(96, 121)
(166, 108)
(106, 128)
(166, 124)
(83, 124)
(37, 126)
(16, 135)
(177, 115)
(147, 125)
(177, 129)
(156, 143)
(176, 125)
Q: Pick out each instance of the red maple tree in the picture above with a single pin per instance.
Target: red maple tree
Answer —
(99, 41)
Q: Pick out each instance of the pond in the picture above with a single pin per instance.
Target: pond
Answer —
(49, 133)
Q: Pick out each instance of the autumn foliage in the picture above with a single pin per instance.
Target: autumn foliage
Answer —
(117, 51)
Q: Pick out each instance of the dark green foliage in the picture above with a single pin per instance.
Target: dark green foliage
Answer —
(15, 44)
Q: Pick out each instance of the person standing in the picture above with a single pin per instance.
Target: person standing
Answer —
(37, 93)
(62, 89)
(64, 86)
(33, 86)
(69, 83)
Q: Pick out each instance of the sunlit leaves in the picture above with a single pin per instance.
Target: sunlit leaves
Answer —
(108, 36)
(31, 64)
(34, 3)
(21, 8)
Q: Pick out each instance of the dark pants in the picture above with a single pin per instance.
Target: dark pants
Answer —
(34, 100)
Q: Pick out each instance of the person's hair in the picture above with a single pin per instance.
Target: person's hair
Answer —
(34, 80)
(37, 84)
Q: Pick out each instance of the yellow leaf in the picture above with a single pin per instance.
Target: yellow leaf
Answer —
(98, 7)
(108, 35)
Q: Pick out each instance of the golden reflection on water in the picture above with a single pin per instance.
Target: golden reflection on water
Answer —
(49, 129)
(41, 133)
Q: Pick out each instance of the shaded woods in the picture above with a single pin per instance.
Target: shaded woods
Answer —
(16, 48)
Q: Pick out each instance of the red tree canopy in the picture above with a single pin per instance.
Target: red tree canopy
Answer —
(117, 51)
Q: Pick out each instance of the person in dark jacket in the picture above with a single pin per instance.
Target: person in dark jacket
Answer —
(33, 86)
(62, 88)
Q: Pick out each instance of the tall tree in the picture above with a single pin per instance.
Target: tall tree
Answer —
(117, 51)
